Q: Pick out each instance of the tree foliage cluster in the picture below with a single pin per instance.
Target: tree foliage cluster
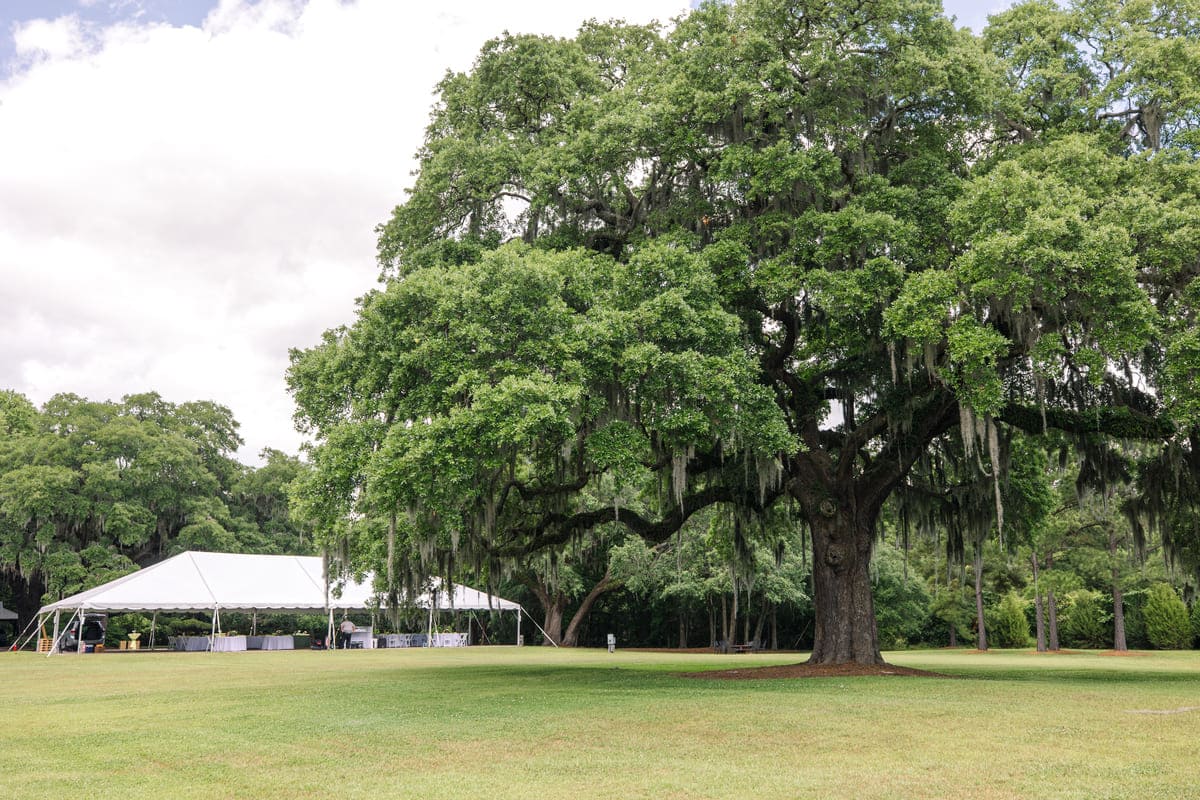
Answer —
(90, 491)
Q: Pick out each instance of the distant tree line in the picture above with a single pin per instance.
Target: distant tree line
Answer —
(91, 490)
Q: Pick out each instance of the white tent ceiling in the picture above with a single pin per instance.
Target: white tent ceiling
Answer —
(196, 581)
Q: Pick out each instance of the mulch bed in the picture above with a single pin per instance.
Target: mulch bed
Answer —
(813, 671)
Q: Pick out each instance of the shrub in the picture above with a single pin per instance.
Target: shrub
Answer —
(1135, 621)
(901, 606)
(1007, 624)
(1167, 623)
(949, 609)
(1084, 621)
(1196, 621)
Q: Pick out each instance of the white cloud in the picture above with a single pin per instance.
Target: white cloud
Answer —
(182, 204)
(42, 38)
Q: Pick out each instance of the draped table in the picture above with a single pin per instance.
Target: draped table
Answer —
(270, 643)
(362, 638)
(228, 644)
(191, 643)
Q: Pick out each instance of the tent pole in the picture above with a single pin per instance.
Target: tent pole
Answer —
(54, 641)
(432, 603)
(40, 625)
(329, 631)
(518, 626)
(212, 634)
(254, 623)
(153, 624)
(79, 638)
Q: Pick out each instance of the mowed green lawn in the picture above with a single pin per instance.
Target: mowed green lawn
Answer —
(525, 723)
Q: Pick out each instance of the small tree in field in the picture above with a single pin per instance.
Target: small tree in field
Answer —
(1009, 625)
(951, 610)
(1085, 622)
(1167, 623)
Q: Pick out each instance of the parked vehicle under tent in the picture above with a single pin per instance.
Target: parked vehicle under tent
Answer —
(196, 581)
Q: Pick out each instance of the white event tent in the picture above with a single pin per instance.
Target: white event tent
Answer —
(215, 582)
(6, 615)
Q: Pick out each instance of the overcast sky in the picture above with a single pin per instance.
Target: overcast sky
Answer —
(189, 187)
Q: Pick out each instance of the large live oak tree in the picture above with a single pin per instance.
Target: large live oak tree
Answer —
(775, 254)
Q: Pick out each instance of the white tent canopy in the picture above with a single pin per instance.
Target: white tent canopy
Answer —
(197, 581)
(6, 615)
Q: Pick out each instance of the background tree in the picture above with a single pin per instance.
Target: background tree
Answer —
(90, 491)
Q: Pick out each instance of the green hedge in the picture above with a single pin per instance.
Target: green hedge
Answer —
(1167, 623)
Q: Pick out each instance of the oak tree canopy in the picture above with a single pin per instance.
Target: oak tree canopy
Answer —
(780, 252)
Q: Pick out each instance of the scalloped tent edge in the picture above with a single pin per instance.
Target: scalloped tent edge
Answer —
(199, 581)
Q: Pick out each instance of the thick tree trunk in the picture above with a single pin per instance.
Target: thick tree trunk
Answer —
(682, 630)
(25, 596)
(746, 638)
(844, 610)
(1040, 622)
(1052, 605)
(1037, 602)
(758, 626)
(953, 635)
(552, 605)
(981, 628)
(731, 621)
(724, 625)
(571, 637)
(553, 619)
(1119, 643)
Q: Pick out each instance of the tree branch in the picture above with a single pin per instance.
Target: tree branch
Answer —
(555, 529)
(1120, 423)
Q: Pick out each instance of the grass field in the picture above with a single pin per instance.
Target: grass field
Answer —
(498, 723)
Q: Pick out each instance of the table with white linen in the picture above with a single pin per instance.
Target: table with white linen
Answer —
(228, 644)
(270, 643)
(191, 642)
(362, 638)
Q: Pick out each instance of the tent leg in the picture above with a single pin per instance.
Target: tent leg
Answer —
(212, 634)
(153, 624)
(518, 627)
(329, 632)
(54, 641)
(38, 624)
(432, 603)
(79, 638)
(254, 623)
(540, 628)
